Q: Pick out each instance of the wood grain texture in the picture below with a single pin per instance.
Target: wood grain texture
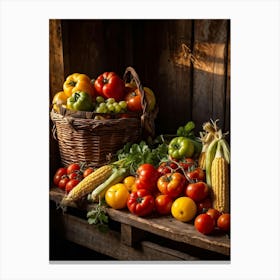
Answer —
(80, 232)
(209, 79)
(56, 58)
(189, 83)
(164, 226)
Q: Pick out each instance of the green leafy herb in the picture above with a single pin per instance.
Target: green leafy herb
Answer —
(98, 216)
(137, 154)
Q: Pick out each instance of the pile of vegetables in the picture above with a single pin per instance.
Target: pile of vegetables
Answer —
(185, 177)
(107, 94)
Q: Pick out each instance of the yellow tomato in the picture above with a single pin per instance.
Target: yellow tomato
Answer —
(183, 209)
(116, 196)
(129, 182)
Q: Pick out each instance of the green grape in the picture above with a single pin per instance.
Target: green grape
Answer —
(117, 108)
(123, 104)
(111, 107)
(110, 100)
(100, 99)
(99, 110)
(102, 105)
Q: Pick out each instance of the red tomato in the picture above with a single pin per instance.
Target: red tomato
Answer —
(110, 85)
(204, 205)
(204, 223)
(56, 179)
(71, 184)
(223, 222)
(75, 175)
(197, 191)
(163, 203)
(147, 176)
(171, 184)
(88, 171)
(214, 213)
(73, 167)
(167, 167)
(58, 174)
(196, 175)
(133, 101)
(63, 181)
(186, 163)
(141, 202)
(61, 171)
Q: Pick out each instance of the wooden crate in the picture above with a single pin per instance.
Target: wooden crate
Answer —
(187, 64)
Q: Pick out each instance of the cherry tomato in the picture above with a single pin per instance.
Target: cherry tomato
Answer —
(204, 205)
(163, 203)
(167, 167)
(197, 191)
(73, 167)
(214, 213)
(186, 164)
(88, 171)
(58, 174)
(204, 223)
(196, 175)
(171, 184)
(56, 179)
(61, 171)
(63, 181)
(75, 175)
(223, 222)
(71, 184)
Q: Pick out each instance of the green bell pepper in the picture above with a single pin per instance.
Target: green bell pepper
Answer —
(180, 147)
(80, 101)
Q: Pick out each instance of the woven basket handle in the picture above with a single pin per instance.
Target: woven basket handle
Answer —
(129, 75)
(147, 118)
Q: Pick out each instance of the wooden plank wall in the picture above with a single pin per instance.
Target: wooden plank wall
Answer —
(185, 62)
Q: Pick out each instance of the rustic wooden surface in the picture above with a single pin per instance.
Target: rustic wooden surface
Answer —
(80, 232)
(185, 62)
(166, 227)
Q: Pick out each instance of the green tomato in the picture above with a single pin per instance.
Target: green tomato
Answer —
(180, 147)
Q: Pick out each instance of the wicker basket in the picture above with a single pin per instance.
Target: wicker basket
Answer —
(83, 138)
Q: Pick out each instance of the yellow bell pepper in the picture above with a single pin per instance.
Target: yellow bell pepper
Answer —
(78, 82)
(59, 99)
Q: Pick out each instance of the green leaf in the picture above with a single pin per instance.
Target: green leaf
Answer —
(92, 221)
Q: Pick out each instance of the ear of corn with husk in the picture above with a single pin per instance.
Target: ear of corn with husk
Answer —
(220, 178)
(88, 184)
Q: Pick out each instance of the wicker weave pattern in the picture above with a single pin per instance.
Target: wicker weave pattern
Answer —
(91, 141)
(82, 138)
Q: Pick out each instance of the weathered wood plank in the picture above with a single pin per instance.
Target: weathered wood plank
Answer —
(209, 83)
(56, 57)
(80, 232)
(166, 227)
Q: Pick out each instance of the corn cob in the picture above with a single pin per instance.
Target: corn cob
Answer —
(209, 157)
(220, 181)
(88, 184)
